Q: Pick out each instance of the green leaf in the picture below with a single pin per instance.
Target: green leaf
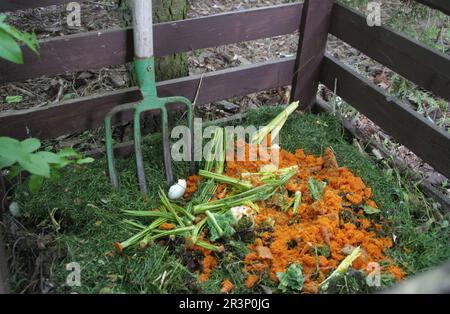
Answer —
(14, 171)
(13, 99)
(68, 152)
(226, 222)
(35, 164)
(29, 39)
(9, 48)
(86, 160)
(69, 96)
(10, 151)
(50, 157)
(30, 145)
(5, 162)
(291, 279)
(369, 210)
(35, 183)
(63, 162)
(316, 188)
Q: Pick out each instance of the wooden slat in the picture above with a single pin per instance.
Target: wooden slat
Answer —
(429, 142)
(314, 25)
(114, 47)
(442, 5)
(13, 5)
(87, 113)
(408, 57)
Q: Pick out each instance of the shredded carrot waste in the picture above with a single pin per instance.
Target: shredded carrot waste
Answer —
(299, 238)
(191, 185)
(251, 281)
(227, 286)
(209, 261)
(167, 226)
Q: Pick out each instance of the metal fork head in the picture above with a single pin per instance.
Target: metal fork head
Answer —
(147, 104)
(145, 75)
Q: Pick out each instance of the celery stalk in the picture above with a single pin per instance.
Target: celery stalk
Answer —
(275, 125)
(198, 228)
(297, 201)
(226, 179)
(148, 213)
(137, 237)
(169, 207)
(209, 246)
(214, 223)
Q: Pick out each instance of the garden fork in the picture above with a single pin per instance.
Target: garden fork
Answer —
(144, 65)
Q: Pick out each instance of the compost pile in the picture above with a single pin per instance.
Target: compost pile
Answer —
(305, 220)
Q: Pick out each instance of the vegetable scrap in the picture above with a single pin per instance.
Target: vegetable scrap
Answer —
(309, 218)
(227, 286)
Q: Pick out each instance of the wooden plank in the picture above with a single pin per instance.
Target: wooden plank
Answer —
(89, 112)
(442, 5)
(408, 57)
(95, 50)
(429, 142)
(13, 5)
(314, 24)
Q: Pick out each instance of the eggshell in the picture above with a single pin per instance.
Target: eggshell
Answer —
(177, 190)
(241, 211)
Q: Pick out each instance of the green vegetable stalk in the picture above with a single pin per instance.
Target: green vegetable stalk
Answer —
(166, 203)
(226, 179)
(316, 188)
(164, 233)
(297, 201)
(275, 125)
(258, 193)
(149, 213)
(214, 223)
(120, 246)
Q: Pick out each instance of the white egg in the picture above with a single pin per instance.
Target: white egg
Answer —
(177, 190)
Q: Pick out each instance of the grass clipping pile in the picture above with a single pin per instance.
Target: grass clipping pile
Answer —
(305, 220)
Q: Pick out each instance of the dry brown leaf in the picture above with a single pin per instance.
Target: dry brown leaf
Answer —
(264, 252)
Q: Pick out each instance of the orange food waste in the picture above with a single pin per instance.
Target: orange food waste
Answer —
(318, 224)
(227, 286)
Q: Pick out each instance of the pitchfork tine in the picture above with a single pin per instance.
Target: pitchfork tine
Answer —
(166, 145)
